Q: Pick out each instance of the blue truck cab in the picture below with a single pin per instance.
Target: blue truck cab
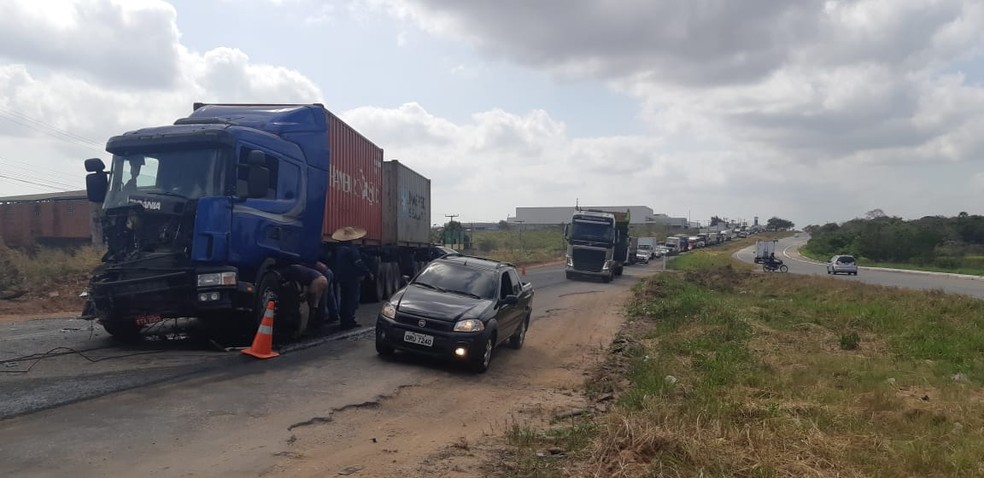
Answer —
(200, 216)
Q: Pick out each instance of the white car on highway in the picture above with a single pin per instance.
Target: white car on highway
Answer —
(842, 264)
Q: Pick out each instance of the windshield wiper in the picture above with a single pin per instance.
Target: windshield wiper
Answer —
(166, 193)
(429, 286)
(462, 292)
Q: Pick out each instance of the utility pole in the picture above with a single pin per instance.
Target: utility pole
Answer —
(522, 247)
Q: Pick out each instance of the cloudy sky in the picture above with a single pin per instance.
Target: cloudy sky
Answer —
(814, 111)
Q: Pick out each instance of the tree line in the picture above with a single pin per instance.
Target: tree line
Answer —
(935, 241)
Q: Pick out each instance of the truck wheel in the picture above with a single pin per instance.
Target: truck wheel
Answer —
(394, 279)
(380, 285)
(609, 277)
(124, 331)
(569, 276)
(266, 290)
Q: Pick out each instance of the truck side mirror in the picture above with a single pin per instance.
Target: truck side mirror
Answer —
(97, 181)
(567, 228)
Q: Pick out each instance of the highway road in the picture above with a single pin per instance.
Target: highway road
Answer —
(788, 250)
(174, 408)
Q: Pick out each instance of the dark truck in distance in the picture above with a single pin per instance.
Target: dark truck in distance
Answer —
(202, 218)
(597, 244)
(458, 308)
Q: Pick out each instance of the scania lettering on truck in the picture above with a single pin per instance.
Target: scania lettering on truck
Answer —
(202, 219)
(593, 246)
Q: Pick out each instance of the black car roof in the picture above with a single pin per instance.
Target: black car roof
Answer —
(474, 261)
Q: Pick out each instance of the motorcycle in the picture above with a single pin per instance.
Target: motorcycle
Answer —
(774, 265)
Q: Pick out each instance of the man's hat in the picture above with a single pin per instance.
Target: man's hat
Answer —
(348, 233)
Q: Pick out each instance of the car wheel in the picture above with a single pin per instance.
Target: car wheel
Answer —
(518, 337)
(480, 363)
(382, 348)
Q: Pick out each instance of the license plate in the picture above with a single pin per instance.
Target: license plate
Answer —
(147, 319)
(419, 339)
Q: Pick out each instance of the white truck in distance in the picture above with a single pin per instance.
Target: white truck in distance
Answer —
(764, 250)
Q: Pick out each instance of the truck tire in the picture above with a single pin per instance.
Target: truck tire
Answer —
(394, 279)
(124, 331)
(609, 277)
(267, 289)
(569, 275)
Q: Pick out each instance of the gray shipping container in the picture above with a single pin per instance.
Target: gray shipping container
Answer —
(406, 206)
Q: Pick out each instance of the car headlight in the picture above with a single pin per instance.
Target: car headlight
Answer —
(388, 311)
(469, 325)
(216, 279)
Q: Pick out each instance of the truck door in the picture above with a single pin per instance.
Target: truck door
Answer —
(269, 226)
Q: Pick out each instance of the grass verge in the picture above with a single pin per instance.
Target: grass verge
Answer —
(721, 371)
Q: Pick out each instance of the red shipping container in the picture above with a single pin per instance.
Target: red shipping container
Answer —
(355, 182)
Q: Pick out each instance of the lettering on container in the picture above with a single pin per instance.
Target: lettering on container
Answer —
(413, 205)
(358, 185)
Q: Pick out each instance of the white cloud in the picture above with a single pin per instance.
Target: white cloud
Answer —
(816, 109)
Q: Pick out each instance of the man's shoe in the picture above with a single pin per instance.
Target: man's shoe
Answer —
(349, 325)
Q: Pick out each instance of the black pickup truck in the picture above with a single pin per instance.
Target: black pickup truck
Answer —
(458, 308)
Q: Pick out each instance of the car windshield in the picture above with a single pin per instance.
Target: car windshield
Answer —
(458, 278)
(185, 173)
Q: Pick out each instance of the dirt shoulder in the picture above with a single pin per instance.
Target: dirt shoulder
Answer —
(57, 301)
(455, 426)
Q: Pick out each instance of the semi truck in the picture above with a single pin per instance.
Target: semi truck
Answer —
(202, 218)
(597, 244)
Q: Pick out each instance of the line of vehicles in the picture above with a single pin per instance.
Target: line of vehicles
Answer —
(599, 244)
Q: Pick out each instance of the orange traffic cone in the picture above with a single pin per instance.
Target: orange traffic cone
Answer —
(262, 347)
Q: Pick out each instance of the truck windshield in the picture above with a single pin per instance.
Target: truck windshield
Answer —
(185, 173)
(592, 231)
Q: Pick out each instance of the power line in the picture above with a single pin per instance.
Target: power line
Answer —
(52, 176)
(31, 182)
(48, 129)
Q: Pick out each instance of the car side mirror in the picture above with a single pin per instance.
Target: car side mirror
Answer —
(509, 300)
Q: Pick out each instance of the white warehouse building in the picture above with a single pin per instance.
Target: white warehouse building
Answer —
(543, 216)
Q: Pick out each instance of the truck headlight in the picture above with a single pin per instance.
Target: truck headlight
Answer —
(570, 261)
(608, 265)
(388, 311)
(469, 325)
(216, 279)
